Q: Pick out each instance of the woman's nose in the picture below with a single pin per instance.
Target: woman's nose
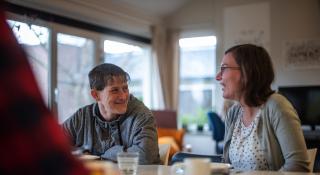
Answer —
(218, 76)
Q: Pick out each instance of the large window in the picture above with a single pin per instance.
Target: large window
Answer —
(62, 56)
(135, 60)
(197, 71)
(75, 60)
(35, 41)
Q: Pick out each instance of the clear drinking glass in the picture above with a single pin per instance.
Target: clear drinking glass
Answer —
(128, 162)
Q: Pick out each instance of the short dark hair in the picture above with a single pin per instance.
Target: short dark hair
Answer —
(256, 70)
(101, 75)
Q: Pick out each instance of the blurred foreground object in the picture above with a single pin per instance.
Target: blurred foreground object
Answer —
(31, 140)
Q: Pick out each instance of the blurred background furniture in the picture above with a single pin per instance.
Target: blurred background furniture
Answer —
(166, 121)
(312, 138)
(166, 118)
(312, 156)
(173, 137)
(218, 129)
(164, 150)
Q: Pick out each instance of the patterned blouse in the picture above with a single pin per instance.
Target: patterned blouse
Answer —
(245, 150)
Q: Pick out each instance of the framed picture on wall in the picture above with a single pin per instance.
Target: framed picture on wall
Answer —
(301, 54)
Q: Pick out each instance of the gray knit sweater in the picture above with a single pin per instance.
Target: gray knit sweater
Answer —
(137, 132)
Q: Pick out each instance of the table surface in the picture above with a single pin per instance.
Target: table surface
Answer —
(165, 170)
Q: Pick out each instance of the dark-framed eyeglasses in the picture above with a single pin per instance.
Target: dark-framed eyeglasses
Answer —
(224, 68)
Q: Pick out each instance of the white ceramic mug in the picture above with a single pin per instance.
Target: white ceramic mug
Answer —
(192, 166)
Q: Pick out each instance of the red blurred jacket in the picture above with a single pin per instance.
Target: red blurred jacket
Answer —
(31, 139)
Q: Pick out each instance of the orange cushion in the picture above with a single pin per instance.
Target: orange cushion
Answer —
(176, 134)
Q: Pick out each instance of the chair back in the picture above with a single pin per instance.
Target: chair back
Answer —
(312, 156)
(165, 118)
(217, 126)
(164, 150)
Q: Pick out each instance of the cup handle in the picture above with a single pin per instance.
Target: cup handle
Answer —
(178, 168)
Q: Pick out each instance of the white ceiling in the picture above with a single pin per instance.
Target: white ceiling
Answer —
(131, 16)
(159, 8)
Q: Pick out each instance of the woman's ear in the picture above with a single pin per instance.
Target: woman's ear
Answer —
(94, 94)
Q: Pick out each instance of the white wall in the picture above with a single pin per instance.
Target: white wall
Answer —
(294, 20)
(195, 17)
(289, 20)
